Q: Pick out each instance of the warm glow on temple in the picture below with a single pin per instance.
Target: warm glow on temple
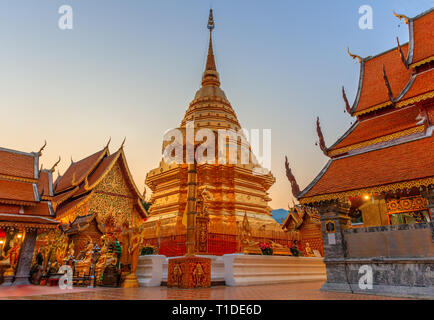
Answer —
(235, 190)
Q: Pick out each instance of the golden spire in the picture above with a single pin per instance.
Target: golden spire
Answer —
(210, 76)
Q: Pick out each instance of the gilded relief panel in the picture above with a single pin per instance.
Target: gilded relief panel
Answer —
(112, 209)
(114, 182)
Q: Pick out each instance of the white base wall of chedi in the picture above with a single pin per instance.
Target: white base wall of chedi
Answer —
(240, 269)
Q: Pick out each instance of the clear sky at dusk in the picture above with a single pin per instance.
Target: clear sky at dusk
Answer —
(130, 68)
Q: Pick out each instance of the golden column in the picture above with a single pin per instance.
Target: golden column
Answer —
(190, 241)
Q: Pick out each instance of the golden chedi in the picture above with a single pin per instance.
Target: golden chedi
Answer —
(233, 188)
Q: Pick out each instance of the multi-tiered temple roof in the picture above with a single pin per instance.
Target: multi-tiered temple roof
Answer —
(391, 145)
(25, 191)
(100, 173)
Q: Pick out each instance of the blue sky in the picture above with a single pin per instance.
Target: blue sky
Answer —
(130, 68)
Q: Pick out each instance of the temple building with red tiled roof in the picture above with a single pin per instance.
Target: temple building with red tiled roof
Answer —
(387, 154)
(96, 195)
(375, 195)
(25, 210)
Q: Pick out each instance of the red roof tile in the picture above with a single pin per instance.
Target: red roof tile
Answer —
(423, 83)
(81, 169)
(60, 197)
(16, 191)
(17, 164)
(65, 207)
(423, 37)
(19, 219)
(102, 167)
(379, 126)
(407, 161)
(373, 90)
(41, 209)
(44, 183)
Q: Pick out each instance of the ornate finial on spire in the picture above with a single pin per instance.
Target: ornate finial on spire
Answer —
(294, 185)
(347, 105)
(42, 148)
(72, 161)
(403, 59)
(354, 56)
(211, 25)
(322, 144)
(389, 88)
(55, 165)
(210, 76)
(401, 16)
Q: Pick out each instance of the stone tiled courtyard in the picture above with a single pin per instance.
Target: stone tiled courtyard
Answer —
(291, 291)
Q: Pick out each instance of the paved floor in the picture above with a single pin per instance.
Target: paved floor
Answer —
(291, 291)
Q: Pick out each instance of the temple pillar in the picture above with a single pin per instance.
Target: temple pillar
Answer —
(429, 195)
(25, 260)
(334, 219)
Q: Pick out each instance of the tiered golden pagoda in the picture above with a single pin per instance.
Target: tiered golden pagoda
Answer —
(234, 188)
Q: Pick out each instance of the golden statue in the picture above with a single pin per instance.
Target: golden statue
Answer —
(125, 240)
(61, 250)
(308, 251)
(177, 274)
(132, 247)
(280, 250)
(82, 267)
(11, 258)
(198, 275)
(206, 197)
(135, 246)
(70, 254)
(249, 246)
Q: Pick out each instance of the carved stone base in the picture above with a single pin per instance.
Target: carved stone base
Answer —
(8, 277)
(189, 272)
(130, 281)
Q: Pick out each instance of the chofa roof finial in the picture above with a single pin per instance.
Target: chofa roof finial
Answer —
(294, 185)
(42, 148)
(401, 16)
(322, 144)
(55, 165)
(354, 56)
(108, 143)
(123, 142)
